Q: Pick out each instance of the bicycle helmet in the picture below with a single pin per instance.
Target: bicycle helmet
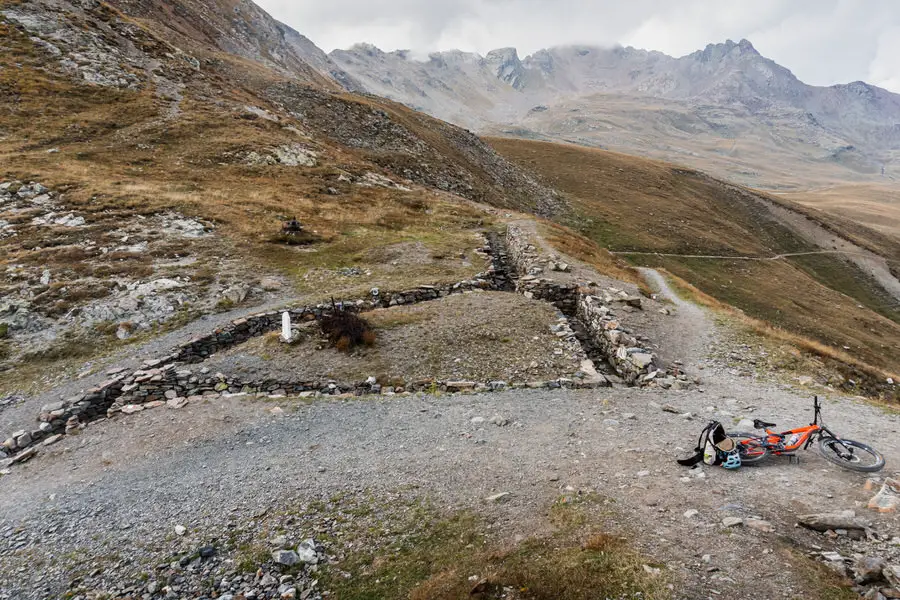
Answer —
(732, 461)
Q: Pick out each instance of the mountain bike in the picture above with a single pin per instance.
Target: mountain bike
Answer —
(849, 454)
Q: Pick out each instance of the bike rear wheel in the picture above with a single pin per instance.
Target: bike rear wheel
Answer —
(751, 447)
(851, 455)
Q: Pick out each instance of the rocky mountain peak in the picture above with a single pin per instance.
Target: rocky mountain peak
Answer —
(714, 53)
(506, 66)
(366, 49)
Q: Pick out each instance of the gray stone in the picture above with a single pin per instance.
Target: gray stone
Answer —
(825, 521)
(176, 402)
(633, 301)
(641, 360)
(869, 569)
(287, 558)
(501, 497)
(306, 552)
(270, 284)
(732, 521)
(892, 575)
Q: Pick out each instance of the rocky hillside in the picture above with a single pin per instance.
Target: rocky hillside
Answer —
(151, 150)
(710, 104)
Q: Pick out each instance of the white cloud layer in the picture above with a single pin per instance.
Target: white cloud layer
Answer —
(822, 41)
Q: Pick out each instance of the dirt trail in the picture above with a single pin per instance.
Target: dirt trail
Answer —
(724, 257)
(689, 334)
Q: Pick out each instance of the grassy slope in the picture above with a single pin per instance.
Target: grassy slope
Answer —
(628, 203)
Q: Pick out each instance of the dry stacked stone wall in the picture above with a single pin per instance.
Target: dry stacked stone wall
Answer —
(168, 381)
(618, 347)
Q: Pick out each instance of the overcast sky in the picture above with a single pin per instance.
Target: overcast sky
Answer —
(821, 41)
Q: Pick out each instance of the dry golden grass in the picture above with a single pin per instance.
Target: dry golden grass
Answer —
(119, 157)
(579, 247)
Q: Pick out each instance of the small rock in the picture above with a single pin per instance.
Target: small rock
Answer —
(499, 421)
(501, 497)
(869, 569)
(176, 402)
(180, 530)
(892, 575)
(130, 409)
(690, 514)
(760, 525)
(732, 521)
(270, 284)
(207, 551)
(671, 409)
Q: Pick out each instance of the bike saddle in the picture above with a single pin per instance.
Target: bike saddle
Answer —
(759, 424)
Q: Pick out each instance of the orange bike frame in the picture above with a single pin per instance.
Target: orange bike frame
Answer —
(804, 432)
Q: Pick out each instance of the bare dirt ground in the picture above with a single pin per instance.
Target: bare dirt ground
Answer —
(106, 502)
(479, 336)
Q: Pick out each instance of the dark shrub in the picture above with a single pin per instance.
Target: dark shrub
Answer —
(345, 330)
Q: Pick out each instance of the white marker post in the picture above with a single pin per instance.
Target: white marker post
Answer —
(286, 326)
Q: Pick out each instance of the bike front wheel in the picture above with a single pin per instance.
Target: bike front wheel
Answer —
(751, 447)
(855, 456)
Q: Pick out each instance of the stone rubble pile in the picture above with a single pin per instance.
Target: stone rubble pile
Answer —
(872, 558)
(289, 574)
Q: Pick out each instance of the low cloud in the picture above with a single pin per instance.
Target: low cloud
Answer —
(822, 41)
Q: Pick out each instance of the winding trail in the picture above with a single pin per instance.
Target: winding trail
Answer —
(723, 257)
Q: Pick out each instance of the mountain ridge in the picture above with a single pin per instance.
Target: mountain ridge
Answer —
(726, 91)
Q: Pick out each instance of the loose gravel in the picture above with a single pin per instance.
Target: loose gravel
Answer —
(99, 509)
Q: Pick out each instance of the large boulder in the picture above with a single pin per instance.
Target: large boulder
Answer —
(832, 521)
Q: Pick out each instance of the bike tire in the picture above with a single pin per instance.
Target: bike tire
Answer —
(830, 448)
(750, 447)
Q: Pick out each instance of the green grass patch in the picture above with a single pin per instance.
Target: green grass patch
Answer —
(435, 556)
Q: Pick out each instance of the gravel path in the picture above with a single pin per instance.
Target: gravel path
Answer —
(103, 505)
